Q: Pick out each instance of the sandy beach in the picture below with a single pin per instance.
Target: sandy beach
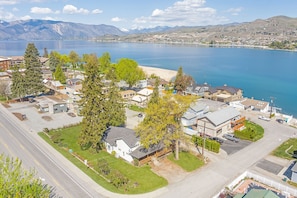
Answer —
(165, 74)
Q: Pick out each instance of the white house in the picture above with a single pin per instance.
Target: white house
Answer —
(122, 141)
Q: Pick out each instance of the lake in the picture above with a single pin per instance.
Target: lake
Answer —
(262, 74)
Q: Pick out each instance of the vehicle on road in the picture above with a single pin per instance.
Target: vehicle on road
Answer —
(281, 121)
(231, 137)
(219, 140)
(264, 118)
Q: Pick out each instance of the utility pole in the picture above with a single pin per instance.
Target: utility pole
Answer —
(203, 146)
(271, 103)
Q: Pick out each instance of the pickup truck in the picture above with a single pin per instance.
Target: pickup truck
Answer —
(231, 137)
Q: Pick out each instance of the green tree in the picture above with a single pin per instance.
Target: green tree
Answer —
(105, 63)
(155, 95)
(95, 115)
(54, 60)
(114, 104)
(17, 182)
(59, 75)
(18, 88)
(33, 74)
(182, 81)
(161, 124)
(129, 71)
(74, 59)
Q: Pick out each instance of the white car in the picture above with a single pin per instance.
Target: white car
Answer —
(264, 118)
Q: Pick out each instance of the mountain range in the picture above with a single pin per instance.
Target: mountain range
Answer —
(258, 32)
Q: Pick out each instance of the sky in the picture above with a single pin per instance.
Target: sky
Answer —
(137, 14)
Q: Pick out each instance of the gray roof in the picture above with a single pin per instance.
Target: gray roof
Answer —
(112, 134)
(198, 106)
(141, 152)
(223, 115)
(294, 168)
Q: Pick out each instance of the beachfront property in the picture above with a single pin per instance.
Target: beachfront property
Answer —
(197, 89)
(223, 94)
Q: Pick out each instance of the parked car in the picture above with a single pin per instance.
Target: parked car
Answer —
(264, 118)
(231, 137)
(281, 121)
(219, 140)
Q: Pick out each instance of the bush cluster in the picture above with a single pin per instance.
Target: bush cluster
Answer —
(252, 132)
(210, 145)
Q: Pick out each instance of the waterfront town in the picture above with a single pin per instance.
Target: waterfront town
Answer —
(216, 114)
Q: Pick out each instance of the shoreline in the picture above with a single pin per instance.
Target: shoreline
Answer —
(165, 74)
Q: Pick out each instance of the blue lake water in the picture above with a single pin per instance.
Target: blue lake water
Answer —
(262, 74)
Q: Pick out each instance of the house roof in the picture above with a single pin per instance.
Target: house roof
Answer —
(294, 168)
(198, 107)
(145, 92)
(231, 90)
(263, 193)
(223, 115)
(258, 104)
(112, 134)
(141, 152)
(139, 98)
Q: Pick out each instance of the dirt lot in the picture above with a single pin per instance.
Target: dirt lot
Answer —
(169, 170)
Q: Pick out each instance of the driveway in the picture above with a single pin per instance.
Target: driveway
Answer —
(231, 147)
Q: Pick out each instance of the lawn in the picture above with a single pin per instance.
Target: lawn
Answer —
(141, 179)
(252, 132)
(187, 161)
(285, 150)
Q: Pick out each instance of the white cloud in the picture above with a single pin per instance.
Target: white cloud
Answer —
(38, 10)
(97, 11)
(117, 19)
(70, 9)
(7, 2)
(182, 13)
(6, 16)
(15, 9)
(234, 11)
(27, 17)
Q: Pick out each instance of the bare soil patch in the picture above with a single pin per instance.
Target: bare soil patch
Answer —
(170, 171)
(47, 118)
(6, 105)
(20, 116)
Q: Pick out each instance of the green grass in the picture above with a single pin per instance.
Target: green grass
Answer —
(187, 161)
(290, 145)
(252, 132)
(146, 180)
(136, 108)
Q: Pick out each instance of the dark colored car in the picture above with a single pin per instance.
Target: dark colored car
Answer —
(231, 137)
(219, 140)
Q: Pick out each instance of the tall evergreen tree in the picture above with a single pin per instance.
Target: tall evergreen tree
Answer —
(59, 75)
(18, 88)
(95, 115)
(17, 182)
(54, 60)
(33, 74)
(114, 104)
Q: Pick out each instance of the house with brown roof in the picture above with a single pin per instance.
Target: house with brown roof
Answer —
(223, 94)
(127, 95)
(5, 63)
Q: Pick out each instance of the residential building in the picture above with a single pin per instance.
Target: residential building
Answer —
(223, 94)
(5, 63)
(294, 173)
(127, 95)
(219, 122)
(197, 89)
(51, 105)
(142, 97)
(126, 144)
(260, 193)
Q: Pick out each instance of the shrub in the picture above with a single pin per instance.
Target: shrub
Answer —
(210, 145)
(252, 132)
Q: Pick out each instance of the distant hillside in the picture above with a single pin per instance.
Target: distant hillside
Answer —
(53, 30)
(261, 32)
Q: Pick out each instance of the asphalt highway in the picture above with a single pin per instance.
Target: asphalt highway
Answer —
(17, 141)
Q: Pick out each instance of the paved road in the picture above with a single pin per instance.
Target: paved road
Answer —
(16, 141)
